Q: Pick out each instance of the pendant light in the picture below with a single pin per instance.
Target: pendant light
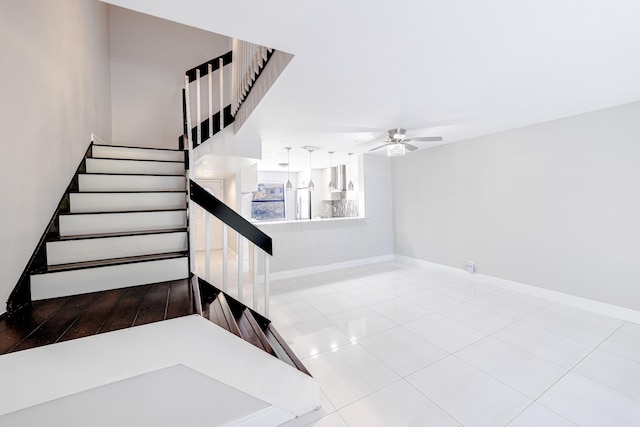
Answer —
(288, 186)
(332, 185)
(350, 185)
(311, 185)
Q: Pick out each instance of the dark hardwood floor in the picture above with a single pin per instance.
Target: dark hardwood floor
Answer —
(77, 316)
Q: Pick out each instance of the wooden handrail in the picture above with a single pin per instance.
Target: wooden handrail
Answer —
(204, 68)
(224, 213)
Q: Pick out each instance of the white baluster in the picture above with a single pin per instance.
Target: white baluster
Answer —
(240, 243)
(189, 126)
(256, 253)
(221, 64)
(225, 256)
(198, 116)
(192, 242)
(210, 80)
(207, 246)
(267, 289)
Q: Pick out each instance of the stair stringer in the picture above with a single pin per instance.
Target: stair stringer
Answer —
(42, 374)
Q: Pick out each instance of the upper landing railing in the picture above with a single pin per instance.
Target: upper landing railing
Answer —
(248, 62)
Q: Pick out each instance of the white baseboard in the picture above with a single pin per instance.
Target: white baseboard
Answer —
(603, 308)
(329, 267)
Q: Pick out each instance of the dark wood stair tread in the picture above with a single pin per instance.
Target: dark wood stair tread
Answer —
(137, 160)
(252, 326)
(125, 174)
(118, 234)
(282, 349)
(110, 262)
(130, 192)
(120, 212)
(220, 311)
(137, 148)
(251, 332)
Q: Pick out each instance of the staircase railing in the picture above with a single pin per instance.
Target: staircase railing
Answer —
(217, 118)
(259, 245)
(249, 61)
(194, 135)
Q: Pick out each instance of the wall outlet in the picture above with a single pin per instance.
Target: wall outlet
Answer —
(471, 267)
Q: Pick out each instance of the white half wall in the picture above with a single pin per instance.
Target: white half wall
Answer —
(554, 205)
(149, 57)
(55, 89)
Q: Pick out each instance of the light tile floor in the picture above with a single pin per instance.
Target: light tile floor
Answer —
(397, 345)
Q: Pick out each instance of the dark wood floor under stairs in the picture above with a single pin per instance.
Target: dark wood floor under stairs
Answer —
(61, 319)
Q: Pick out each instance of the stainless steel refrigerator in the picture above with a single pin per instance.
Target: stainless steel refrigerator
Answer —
(303, 203)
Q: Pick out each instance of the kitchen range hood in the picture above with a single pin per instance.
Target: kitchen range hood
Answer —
(339, 177)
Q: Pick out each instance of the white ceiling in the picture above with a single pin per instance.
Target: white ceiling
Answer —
(451, 68)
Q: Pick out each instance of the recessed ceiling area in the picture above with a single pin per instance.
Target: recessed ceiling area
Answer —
(456, 69)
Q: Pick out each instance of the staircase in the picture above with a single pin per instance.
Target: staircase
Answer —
(238, 319)
(125, 225)
(119, 245)
(108, 300)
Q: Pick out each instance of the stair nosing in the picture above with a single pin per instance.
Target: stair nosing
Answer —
(127, 192)
(126, 174)
(144, 174)
(139, 148)
(120, 212)
(136, 160)
(117, 234)
(59, 268)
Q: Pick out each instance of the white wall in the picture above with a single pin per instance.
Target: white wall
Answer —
(55, 92)
(555, 205)
(149, 57)
(303, 244)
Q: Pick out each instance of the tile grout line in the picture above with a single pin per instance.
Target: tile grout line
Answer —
(567, 373)
(524, 318)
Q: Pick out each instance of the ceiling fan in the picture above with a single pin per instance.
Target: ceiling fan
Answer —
(397, 142)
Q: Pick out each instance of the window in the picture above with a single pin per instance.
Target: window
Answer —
(268, 202)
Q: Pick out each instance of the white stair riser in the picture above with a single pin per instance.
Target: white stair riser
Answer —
(77, 225)
(134, 167)
(70, 251)
(73, 282)
(122, 202)
(110, 152)
(130, 183)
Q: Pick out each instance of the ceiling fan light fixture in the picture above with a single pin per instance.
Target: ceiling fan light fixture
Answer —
(397, 134)
(395, 150)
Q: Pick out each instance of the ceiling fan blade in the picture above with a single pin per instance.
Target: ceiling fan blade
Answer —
(377, 148)
(410, 147)
(426, 138)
